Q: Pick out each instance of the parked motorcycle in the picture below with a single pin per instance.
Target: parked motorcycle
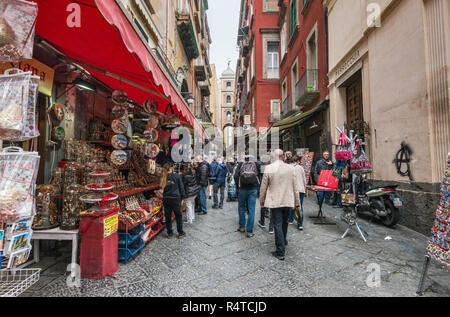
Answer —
(381, 201)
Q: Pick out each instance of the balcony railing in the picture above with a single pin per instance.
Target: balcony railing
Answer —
(199, 66)
(204, 87)
(183, 10)
(307, 88)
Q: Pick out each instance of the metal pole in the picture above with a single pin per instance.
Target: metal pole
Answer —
(424, 273)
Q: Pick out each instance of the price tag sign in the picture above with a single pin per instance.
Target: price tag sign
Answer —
(111, 225)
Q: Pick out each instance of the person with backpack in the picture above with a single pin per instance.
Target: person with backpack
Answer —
(247, 179)
(220, 175)
(212, 178)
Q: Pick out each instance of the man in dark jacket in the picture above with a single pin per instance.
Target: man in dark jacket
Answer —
(248, 192)
(172, 196)
(324, 164)
(220, 175)
(202, 173)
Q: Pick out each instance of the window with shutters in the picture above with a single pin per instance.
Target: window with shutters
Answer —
(284, 39)
(293, 17)
(273, 62)
(275, 110)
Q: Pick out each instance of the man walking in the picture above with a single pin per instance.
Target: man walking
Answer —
(324, 164)
(279, 192)
(246, 178)
(220, 175)
(202, 174)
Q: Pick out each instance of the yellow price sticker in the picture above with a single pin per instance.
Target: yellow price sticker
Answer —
(111, 224)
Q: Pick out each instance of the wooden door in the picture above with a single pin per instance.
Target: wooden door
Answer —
(355, 103)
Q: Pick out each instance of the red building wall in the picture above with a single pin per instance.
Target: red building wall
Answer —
(315, 14)
(263, 90)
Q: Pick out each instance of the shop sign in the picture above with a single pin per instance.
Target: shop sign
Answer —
(111, 224)
(348, 63)
(45, 72)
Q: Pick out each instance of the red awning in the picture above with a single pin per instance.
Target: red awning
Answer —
(108, 44)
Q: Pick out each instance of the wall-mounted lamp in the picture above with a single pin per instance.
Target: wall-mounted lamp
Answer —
(314, 125)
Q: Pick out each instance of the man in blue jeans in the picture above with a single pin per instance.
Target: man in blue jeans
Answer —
(247, 179)
(202, 174)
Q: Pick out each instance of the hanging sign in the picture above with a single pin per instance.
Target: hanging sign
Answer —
(111, 225)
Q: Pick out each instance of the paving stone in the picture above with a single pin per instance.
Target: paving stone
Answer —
(140, 289)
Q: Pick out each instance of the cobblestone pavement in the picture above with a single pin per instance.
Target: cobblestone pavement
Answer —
(215, 260)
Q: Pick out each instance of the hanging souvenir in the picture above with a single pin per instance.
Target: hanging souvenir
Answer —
(119, 97)
(151, 135)
(338, 168)
(57, 112)
(150, 106)
(360, 164)
(153, 122)
(58, 134)
(119, 157)
(14, 96)
(119, 126)
(119, 142)
(170, 121)
(119, 111)
(343, 152)
(152, 150)
(17, 24)
(151, 167)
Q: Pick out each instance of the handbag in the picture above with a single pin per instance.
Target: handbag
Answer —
(343, 152)
(360, 164)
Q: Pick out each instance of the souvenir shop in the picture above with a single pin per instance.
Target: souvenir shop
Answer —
(85, 137)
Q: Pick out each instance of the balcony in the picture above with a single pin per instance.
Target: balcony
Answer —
(199, 67)
(204, 88)
(274, 117)
(187, 35)
(307, 88)
(183, 11)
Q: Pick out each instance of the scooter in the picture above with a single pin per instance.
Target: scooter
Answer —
(382, 201)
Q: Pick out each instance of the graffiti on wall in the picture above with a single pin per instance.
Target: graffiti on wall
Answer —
(402, 161)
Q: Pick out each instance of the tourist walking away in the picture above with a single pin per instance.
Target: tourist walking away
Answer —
(202, 174)
(288, 158)
(247, 179)
(279, 192)
(301, 177)
(220, 175)
(265, 212)
(212, 178)
(324, 164)
(191, 189)
(231, 186)
(173, 194)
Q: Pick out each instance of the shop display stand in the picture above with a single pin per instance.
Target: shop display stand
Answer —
(354, 223)
(127, 241)
(320, 214)
(14, 282)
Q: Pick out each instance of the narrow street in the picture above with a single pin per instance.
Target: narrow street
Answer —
(215, 260)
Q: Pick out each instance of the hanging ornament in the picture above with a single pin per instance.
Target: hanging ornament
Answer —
(151, 135)
(119, 126)
(150, 106)
(58, 134)
(119, 111)
(119, 157)
(119, 97)
(57, 112)
(119, 142)
(153, 122)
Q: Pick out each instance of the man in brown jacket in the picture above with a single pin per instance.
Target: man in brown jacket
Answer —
(279, 192)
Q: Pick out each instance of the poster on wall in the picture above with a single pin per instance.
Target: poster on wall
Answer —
(306, 163)
(438, 246)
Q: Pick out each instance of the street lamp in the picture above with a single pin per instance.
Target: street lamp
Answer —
(190, 100)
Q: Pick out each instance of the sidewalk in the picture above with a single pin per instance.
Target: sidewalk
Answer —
(215, 260)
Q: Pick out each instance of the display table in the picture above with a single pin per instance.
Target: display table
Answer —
(53, 234)
(320, 215)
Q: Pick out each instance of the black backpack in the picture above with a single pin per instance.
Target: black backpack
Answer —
(248, 174)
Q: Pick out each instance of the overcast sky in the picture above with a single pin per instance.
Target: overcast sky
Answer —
(223, 19)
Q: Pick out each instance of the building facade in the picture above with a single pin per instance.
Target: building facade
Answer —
(227, 105)
(303, 76)
(257, 71)
(177, 33)
(389, 81)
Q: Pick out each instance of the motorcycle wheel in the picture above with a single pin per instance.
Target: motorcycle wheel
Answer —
(393, 216)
